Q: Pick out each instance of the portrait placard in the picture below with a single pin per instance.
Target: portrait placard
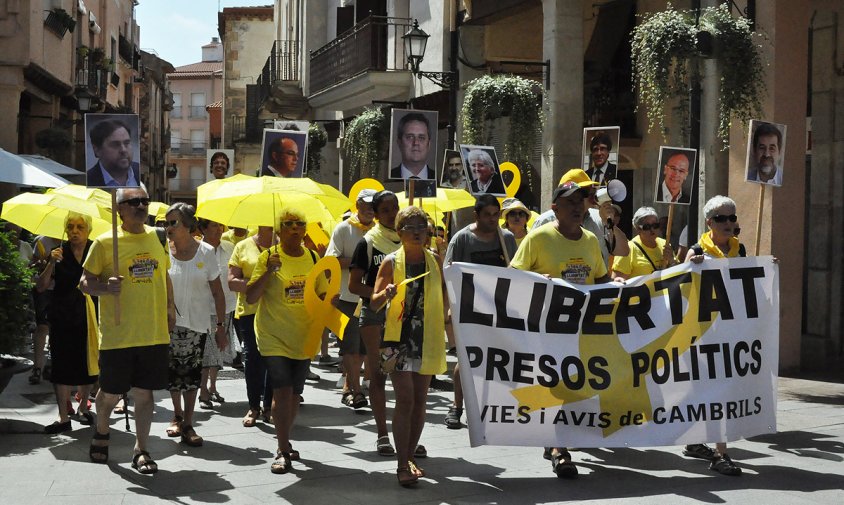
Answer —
(112, 151)
(413, 144)
(482, 170)
(283, 153)
(675, 175)
(765, 153)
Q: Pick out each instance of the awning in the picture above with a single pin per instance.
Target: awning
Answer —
(56, 168)
(17, 170)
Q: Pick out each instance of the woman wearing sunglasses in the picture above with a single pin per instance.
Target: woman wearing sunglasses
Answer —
(412, 349)
(515, 216)
(648, 252)
(719, 241)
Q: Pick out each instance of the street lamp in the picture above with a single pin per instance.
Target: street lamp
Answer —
(84, 99)
(415, 42)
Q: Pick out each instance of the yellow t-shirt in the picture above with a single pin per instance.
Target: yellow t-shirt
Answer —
(244, 256)
(143, 263)
(546, 251)
(229, 236)
(635, 263)
(281, 321)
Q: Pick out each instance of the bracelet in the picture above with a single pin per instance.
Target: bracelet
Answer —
(220, 324)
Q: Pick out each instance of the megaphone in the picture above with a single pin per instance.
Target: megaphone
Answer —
(615, 191)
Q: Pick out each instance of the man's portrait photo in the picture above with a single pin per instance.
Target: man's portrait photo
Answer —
(413, 144)
(283, 153)
(482, 170)
(220, 163)
(600, 153)
(111, 146)
(765, 152)
(676, 173)
(453, 174)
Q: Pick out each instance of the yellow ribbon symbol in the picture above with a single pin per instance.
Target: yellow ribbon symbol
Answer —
(512, 188)
(317, 234)
(323, 313)
(360, 186)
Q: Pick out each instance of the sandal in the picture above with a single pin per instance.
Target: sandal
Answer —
(189, 436)
(121, 407)
(452, 419)
(359, 401)
(267, 416)
(563, 466)
(420, 452)
(251, 418)
(348, 398)
(725, 466)
(294, 454)
(205, 404)
(385, 448)
(35, 377)
(85, 418)
(175, 428)
(99, 450)
(701, 451)
(281, 464)
(406, 477)
(217, 398)
(147, 466)
(415, 470)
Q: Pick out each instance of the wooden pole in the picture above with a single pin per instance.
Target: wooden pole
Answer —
(115, 259)
(410, 186)
(503, 245)
(759, 217)
(668, 224)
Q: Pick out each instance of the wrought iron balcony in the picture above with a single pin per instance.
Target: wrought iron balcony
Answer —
(373, 44)
(282, 65)
(91, 75)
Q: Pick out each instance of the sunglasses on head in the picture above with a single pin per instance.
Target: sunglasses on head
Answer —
(135, 202)
(291, 224)
(649, 227)
(718, 218)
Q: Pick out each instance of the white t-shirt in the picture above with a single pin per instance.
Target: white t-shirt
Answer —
(223, 252)
(344, 239)
(194, 303)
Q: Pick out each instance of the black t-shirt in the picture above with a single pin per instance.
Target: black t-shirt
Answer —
(361, 261)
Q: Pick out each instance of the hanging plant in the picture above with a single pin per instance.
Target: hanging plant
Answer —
(317, 138)
(365, 144)
(494, 96)
(15, 286)
(666, 52)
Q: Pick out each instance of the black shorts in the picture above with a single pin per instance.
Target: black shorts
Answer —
(351, 342)
(41, 303)
(143, 367)
(286, 372)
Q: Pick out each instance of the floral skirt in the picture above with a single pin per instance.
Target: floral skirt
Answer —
(185, 370)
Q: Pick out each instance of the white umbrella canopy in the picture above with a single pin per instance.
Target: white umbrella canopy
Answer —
(17, 170)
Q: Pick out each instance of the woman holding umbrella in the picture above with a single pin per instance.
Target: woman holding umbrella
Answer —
(68, 322)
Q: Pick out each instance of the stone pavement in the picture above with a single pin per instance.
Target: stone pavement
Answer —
(802, 464)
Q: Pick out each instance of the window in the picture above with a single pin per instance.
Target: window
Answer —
(175, 141)
(176, 113)
(197, 140)
(197, 105)
(197, 176)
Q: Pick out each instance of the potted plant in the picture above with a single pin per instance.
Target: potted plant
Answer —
(667, 48)
(365, 143)
(317, 138)
(15, 287)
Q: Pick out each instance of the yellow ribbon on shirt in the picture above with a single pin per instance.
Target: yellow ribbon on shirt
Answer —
(323, 313)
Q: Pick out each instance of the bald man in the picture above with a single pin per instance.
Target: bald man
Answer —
(283, 157)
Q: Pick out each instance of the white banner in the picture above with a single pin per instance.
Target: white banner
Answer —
(685, 355)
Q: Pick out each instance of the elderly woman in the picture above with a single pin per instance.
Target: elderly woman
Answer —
(648, 252)
(198, 295)
(515, 216)
(719, 241)
(68, 321)
(283, 325)
(413, 349)
(486, 178)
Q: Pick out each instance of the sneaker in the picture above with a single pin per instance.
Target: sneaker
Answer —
(701, 451)
(327, 360)
(562, 465)
(725, 466)
(312, 376)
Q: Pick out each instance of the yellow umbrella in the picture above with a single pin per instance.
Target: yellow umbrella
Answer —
(44, 214)
(158, 209)
(245, 201)
(446, 200)
(95, 195)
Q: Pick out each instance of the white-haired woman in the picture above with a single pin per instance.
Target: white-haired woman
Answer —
(648, 252)
(68, 322)
(486, 178)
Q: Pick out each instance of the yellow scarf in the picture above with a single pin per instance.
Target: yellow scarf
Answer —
(354, 221)
(383, 239)
(433, 324)
(93, 354)
(710, 249)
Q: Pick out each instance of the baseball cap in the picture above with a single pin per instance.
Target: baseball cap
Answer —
(566, 189)
(579, 177)
(366, 195)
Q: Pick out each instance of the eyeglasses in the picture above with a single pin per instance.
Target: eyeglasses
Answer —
(80, 227)
(291, 224)
(649, 227)
(517, 213)
(173, 223)
(135, 202)
(718, 218)
(415, 228)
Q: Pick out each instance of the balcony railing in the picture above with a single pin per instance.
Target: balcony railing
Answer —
(91, 75)
(246, 129)
(189, 148)
(373, 44)
(281, 65)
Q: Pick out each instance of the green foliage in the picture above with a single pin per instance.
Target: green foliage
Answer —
(317, 138)
(15, 288)
(665, 57)
(366, 144)
(54, 140)
(490, 97)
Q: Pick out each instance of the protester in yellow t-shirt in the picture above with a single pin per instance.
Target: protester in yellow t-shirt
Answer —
(133, 353)
(282, 322)
(648, 252)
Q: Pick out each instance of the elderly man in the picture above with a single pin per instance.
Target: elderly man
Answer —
(282, 158)
(674, 175)
(562, 249)
(134, 351)
(600, 169)
(766, 151)
(414, 141)
(111, 141)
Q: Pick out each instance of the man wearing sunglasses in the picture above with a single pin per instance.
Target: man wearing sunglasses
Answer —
(134, 349)
(283, 159)
(112, 142)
